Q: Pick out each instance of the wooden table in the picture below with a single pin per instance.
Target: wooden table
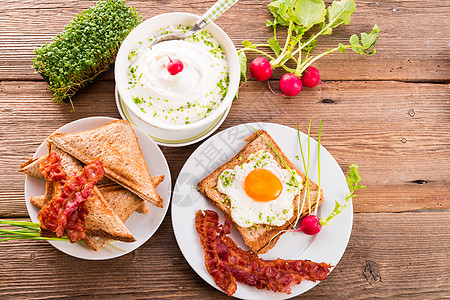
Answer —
(388, 113)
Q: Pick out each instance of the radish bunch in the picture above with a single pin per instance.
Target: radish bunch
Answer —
(290, 84)
(299, 16)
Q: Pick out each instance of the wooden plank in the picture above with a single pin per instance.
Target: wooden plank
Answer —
(406, 51)
(394, 256)
(363, 123)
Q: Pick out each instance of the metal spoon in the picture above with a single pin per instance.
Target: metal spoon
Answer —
(213, 13)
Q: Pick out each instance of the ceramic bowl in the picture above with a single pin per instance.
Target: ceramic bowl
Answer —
(171, 134)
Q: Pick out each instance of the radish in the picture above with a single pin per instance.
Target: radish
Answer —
(260, 69)
(290, 85)
(310, 225)
(310, 77)
(175, 66)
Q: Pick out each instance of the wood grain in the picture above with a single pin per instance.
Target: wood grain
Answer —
(389, 255)
(407, 50)
(397, 134)
(388, 113)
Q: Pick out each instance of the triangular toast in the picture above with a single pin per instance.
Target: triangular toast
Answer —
(101, 220)
(116, 145)
(262, 238)
(122, 201)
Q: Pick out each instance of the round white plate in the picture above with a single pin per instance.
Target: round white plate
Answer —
(142, 226)
(327, 246)
(133, 119)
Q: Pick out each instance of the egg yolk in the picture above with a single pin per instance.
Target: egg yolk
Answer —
(262, 185)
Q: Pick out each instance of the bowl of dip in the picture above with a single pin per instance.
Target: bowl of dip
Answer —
(185, 106)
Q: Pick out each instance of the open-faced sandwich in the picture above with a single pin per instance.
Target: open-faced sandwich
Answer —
(80, 202)
(258, 193)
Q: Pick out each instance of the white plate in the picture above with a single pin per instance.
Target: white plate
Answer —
(153, 132)
(142, 226)
(327, 246)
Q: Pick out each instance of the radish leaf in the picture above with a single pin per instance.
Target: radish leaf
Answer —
(275, 46)
(310, 12)
(283, 11)
(243, 64)
(368, 42)
(248, 44)
(339, 12)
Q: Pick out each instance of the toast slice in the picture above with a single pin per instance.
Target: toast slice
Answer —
(258, 239)
(122, 201)
(101, 220)
(116, 145)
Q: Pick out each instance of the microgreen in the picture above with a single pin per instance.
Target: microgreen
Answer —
(87, 47)
(299, 17)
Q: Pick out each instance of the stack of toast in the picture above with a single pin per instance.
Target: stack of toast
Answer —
(127, 186)
(259, 239)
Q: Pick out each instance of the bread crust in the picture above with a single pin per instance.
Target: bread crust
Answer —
(262, 238)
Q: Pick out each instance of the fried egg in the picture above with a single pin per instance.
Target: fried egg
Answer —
(260, 191)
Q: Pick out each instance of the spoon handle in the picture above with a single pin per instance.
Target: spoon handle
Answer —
(216, 10)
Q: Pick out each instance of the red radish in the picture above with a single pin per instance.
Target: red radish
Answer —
(260, 69)
(290, 85)
(310, 225)
(310, 77)
(175, 66)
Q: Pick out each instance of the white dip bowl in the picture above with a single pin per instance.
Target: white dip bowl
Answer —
(162, 132)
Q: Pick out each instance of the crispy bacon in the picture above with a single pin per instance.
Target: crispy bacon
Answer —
(66, 213)
(52, 169)
(227, 263)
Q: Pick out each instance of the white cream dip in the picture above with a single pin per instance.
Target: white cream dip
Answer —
(188, 96)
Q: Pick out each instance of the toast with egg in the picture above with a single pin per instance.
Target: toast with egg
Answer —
(259, 237)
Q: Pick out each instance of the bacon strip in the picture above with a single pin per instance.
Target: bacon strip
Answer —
(227, 263)
(66, 213)
(52, 169)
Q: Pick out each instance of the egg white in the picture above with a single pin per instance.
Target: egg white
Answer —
(247, 212)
